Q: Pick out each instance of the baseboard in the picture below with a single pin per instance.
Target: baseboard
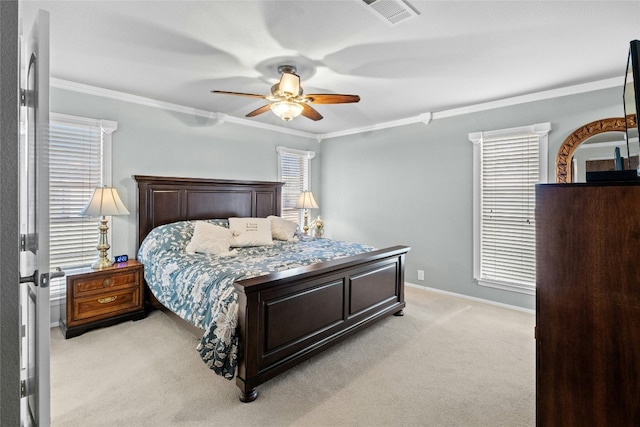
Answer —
(486, 301)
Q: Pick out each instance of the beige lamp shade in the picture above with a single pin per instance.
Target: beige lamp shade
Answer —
(306, 201)
(105, 201)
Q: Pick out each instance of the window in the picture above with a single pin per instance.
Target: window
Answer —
(507, 165)
(79, 161)
(294, 170)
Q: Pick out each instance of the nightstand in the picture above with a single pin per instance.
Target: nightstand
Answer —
(97, 298)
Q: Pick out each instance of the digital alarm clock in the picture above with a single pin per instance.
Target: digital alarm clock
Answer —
(120, 258)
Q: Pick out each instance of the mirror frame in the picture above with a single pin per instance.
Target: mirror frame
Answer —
(565, 153)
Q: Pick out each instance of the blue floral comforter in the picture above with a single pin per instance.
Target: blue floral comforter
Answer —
(199, 288)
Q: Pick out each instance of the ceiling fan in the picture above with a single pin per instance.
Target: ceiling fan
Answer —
(287, 100)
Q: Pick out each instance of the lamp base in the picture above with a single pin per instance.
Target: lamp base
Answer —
(101, 263)
(103, 247)
(305, 228)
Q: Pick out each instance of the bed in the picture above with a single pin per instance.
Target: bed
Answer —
(288, 315)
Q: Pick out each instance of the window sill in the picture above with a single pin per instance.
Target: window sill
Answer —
(505, 286)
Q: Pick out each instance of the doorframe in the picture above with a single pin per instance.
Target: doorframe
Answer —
(10, 225)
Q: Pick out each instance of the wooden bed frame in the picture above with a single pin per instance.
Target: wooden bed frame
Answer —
(286, 317)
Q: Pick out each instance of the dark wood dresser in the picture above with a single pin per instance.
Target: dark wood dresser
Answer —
(588, 304)
(98, 298)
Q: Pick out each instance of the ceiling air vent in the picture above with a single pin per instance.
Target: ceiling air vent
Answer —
(392, 12)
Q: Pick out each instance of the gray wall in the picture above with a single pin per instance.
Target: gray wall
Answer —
(9, 224)
(409, 185)
(152, 141)
(412, 185)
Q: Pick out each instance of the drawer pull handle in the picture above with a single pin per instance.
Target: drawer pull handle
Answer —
(106, 282)
(107, 300)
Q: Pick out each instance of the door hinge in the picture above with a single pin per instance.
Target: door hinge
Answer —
(23, 97)
(23, 388)
(29, 242)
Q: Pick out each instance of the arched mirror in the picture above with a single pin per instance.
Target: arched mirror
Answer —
(592, 147)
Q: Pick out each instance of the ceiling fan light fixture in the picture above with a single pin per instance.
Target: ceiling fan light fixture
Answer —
(286, 110)
(289, 85)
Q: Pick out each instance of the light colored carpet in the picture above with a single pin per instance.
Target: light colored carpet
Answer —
(448, 362)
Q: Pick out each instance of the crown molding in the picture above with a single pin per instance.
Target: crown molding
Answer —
(507, 102)
(532, 97)
(425, 118)
(215, 117)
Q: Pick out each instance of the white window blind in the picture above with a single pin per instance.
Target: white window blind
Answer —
(77, 159)
(294, 169)
(509, 165)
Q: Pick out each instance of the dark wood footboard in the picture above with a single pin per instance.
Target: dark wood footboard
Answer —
(285, 318)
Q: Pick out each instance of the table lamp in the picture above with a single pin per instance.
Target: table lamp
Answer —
(104, 202)
(306, 202)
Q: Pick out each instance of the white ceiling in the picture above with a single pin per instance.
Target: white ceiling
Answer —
(454, 54)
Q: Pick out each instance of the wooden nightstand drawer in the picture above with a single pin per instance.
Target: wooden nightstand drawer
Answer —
(103, 297)
(105, 305)
(82, 287)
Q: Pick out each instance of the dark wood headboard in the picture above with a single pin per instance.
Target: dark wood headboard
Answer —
(162, 200)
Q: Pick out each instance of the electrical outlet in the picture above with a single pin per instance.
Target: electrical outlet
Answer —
(420, 274)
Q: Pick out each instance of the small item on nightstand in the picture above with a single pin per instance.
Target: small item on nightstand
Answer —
(317, 225)
(120, 258)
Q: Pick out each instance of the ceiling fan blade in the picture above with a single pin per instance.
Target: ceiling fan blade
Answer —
(260, 110)
(251, 95)
(310, 112)
(330, 98)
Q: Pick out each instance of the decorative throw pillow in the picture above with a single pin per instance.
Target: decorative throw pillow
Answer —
(282, 229)
(209, 239)
(250, 232)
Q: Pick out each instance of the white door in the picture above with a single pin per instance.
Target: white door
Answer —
(34, 223)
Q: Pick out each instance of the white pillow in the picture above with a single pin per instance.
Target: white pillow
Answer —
(250, 232)
(209, 239)
(282, 229)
